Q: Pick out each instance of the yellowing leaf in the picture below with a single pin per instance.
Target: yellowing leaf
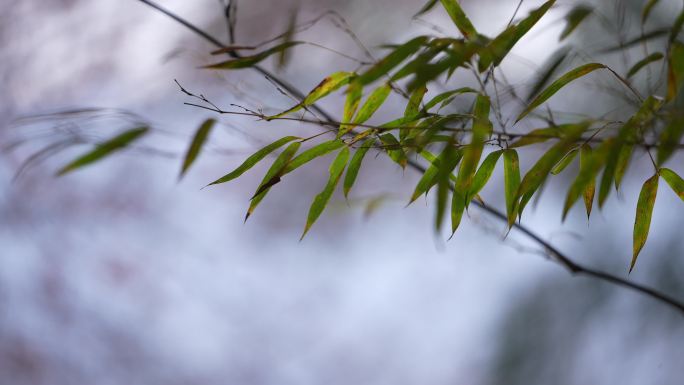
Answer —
(196, 145)
(104, 149)
(459, 18)
(323, 89)
(644, 211)
(675, 182)
(670, 138)
(351, 104)
(322, 199)
(254, 159)
(558, 84)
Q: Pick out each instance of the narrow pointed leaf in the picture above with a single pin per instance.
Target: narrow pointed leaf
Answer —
(323, 89)
(652, 58)
(482, 128)
(372, 103)
(548, 71)
(254, 159)
(426, 8)
(558, 84)
(312, 153)
(198, 141)
(565, 162)
(249, 61)
(590, 188)
(459, 18)
(104, 149)
(647, 10)
(644, 211)
(321, 200)
(675, 74)
(484, 172)
(511, 182)
(670, 138)
(443, 97)
(392, 60)
(394, 149)
(539, 135)
(675, 182)
(429, 177)
(351, 104)
(574, 18)
(355, 165)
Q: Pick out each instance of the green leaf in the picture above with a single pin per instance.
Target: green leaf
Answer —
(670, 139)
(647, 10)
(539, 135)
(484, 172)
(558, 84)
(323, 89)
(447, 162)
(499, 48)
(459, 18)
(351, 104)
(574, 18)
(511, 182)
(322, 199)
(250, 61)
(585, 183)
(394, 149)
(196, 145)
(429, 177)
(312, 153)
(590, 188)
(652, 58)
(457, 55)
(548, 71)
(434, 48)
(642, 38)
(426, 8)
(412, 111)
(272, 176)
(372, 103)
(675, 74)
(565, 162)
(644, 211)
(482, 128)
(254, 159)
(675, 182)
(392, 60)
(104, 149)
(445, 96)
(355, 165)
(622, 163)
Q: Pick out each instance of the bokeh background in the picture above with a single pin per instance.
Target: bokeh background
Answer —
(119, 273)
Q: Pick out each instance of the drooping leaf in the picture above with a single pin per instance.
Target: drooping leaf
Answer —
(547, 71)
(412, 111)
(482, 128)
(511, 182)
(647, 10)
(459, 18)
(499, 48)
(585, 182)
(351, 104)
(104, 149)
(443, 97)
(284, 55)
(392, 60)
(538, 135)
(644, 211)
(394, 149)
(250, 61)
(670, 139)
(447, 162)
(372, 103)
(622, 163)
(565, 162)
(558, 84)
(198, 141)
(323, 89)
(429, 177)
(484, 172)
(675, 182)
(322, 199)
(254, 159)
(675, 74)
(590, 188)
(642, 38)
(574, 18)
(652, 58)
(273, 175)
(457, 55)
(355, 165)
(677, 27)
(434, 48)
(312, 153)
(426, 8)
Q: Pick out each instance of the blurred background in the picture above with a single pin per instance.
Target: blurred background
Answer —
(118, 273)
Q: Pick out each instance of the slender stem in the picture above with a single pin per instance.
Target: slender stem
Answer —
(572, 266)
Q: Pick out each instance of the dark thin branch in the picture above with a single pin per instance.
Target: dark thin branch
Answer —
(573, 267)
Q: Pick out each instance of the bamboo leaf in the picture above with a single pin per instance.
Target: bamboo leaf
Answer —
(642, 38)
(426, 8)
(312, 153)
(429, 177)
(484, 172)
(670, 139)
(459, 18)
(675, 182)
(104, 149)
(539, 135)
(355, 165)
(675, 74)
(585, 182)
(558, 84)
(622, 163)
(482, 128)
(549, 69)
(590, 188)
(565, 162)
(652, 58)
(511, 182)
(647, 10)
(351, 104)
(198, 141)
(250, 61)
(321, 200)
(254, 159)
(574, 18)
(272, 176)
(412, 111)
(392, 60)
(394, 149)
(445, 96)
(644, 211)
(323, 89)
(447, 162)
(372, 103)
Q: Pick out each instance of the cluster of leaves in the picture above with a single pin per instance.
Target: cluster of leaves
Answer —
(454, 147)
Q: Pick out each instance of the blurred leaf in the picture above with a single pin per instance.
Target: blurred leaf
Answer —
(312, 153)
(511, 182)
(394, 149)
(104, 149)
(372, 103)
(459, 18)
(429, 177)
(434, 48)
(558, 84)
(443, 97)
(447, 162)
(482, 128)
(585, 183)
(563, 164)
(643, 38)
(677, 27)
(412, 111)
(426, 8)
(254, 159)
(322, 199)
(539, 135)
(484, 172)
(590, 188)
(670, 139)
(351, 104)
(457, 55)
(283, 55)
(675, 182)
(622, 163)
(574, 18)
(355, 165)
(196, 145)
(652, 58)
(250, 61)
(392, 60)
(272, 176)
(647, 10)
(499, 48)
(675, 74)
(644, 210)
(548, 71)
